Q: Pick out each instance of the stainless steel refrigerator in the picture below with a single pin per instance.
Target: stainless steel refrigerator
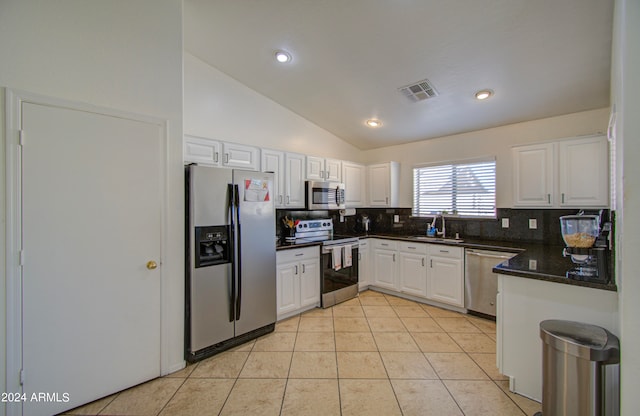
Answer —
(230, 259)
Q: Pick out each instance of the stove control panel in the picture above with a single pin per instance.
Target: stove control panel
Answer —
(315, 225)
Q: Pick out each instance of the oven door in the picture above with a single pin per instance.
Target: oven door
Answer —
(342, 284)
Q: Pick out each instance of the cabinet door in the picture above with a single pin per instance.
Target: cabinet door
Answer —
(413, 274)
(364, 268)
(240, 156)
(584, 172)
(309, 282)
(315, 168)
(384, 262)
(287, 286)
(294, 180)
(333, 170)
(445, 280)
(379, 185)
(533, 173)
(354, 178)
(273, 161)
(202, 151)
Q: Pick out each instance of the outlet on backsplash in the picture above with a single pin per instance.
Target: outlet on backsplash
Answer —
(533, 223)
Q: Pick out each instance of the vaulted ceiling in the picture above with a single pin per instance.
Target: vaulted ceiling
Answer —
(540, 58)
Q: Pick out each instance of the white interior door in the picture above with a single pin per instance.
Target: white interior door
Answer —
(91, 220)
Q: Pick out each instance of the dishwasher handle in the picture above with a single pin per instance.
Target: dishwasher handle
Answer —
(492, 256)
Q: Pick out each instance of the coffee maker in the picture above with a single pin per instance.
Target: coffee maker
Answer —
(586, 236)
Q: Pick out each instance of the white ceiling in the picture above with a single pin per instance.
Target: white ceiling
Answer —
(541, 57)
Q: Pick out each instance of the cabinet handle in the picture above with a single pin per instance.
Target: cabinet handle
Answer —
(280, 199)
(299, 254)
(549, 198)
(296, 270)
(394, 257)
(411, 248)
(215, 157)
(386, 200)
(303, 269)
(288, 200)
(444, 251)
(431, 263)
(563, 197)
(423, 262)
(226, 158)
(382, 244)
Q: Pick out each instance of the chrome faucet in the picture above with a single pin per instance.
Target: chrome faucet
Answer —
(443, 232)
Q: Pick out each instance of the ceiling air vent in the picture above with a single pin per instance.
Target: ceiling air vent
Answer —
(419, 91)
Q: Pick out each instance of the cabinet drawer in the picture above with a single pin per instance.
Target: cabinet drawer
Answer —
(297, 254)
(419, 248)
(442, 250)
(385, 244)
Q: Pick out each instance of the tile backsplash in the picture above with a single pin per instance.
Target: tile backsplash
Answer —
(382, 222)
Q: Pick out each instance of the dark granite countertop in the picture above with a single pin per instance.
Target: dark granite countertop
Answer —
(284, 245)
(550, 264)
(543, 262)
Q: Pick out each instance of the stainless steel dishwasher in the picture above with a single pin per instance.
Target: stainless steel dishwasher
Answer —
(480, 283)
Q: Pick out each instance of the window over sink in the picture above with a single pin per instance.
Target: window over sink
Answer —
(466, 189)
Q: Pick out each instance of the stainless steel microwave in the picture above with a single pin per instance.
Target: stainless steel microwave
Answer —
(324, 195)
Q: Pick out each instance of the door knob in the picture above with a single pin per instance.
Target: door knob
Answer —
(151, 265)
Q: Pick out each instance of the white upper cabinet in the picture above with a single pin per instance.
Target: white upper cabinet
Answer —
(569, 174)
(201, 151)
(240, 156)
(383, 184)
(321, 169)
(210, 152)
(294, 168)
(273, 161)
(354, 176)
(533, 168)
(584, 172)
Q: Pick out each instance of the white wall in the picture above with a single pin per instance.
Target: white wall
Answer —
(119, 54)
(490, 142)
(218, 107)
(625, 93)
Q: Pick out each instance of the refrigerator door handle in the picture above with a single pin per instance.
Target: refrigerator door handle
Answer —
(239, 257)
(232, 293)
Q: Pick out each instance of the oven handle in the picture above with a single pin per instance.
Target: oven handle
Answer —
(327, 249)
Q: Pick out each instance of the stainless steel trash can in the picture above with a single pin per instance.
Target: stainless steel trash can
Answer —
(580, 369)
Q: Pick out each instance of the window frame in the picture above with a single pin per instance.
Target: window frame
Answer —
(485, 159)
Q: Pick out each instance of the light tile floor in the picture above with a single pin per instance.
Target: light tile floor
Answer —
(373, 355)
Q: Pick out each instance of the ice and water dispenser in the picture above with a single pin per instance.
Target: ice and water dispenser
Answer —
(212, 245)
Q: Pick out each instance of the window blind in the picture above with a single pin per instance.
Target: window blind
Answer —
(465, 189)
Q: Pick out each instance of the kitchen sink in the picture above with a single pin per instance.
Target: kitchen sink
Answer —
(437, 239)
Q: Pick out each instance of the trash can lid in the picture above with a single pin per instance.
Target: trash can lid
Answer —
(581, 340)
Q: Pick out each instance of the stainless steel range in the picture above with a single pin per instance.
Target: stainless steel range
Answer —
(339, 260)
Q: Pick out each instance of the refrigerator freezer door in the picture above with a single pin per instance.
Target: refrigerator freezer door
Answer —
(211, 321)
(208, 196)
(256, 269)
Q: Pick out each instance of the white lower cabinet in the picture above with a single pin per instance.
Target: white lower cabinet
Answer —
(364, 265)
(385, 253)
(445, 281)
(429, 271)
(297, 280)
(413, 270)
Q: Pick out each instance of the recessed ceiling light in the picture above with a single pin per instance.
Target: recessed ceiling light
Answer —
(484, 94)
(373, 123)
(283, 56)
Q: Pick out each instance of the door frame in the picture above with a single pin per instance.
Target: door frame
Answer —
(13, 238)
